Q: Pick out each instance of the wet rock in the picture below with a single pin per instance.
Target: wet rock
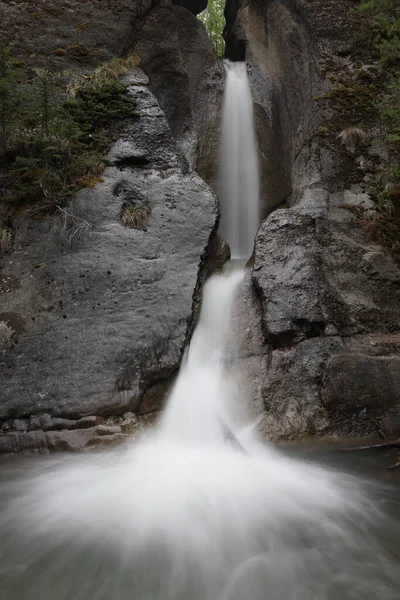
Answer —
(71, 440)
(155, 397)
(129, 423)
(20, 424)
(125, 153)
(87, 422)
(128, 415)
(104, 430)
(319, 291)
(291, 389)
(381, 266)
(359, 392)
(58, 424)
(309, 273)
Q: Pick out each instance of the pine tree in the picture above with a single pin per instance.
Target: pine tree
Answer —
(46, 98)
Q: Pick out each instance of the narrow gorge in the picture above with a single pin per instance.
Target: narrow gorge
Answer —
(96, 312)
(199, 288)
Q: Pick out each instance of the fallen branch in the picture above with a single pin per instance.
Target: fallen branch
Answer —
(395, 466)
(72, 224)
(395, 444)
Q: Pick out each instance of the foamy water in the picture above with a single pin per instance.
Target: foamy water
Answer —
(199, 509)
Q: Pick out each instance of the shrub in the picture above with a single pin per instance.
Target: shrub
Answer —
(388, 105)
(393, 175)
(57, 146)
(8, 94)
(104, 74)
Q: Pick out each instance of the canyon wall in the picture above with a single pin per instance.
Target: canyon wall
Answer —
(95, 314)
(324, 357)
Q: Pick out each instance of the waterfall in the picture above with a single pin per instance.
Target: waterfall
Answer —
(197, 509)
(239, 189)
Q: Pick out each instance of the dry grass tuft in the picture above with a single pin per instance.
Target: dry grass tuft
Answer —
(136, 216)
(353, 137)
(5, 241)
(104, 74)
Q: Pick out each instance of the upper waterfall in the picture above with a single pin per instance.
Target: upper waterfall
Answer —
(239, 170)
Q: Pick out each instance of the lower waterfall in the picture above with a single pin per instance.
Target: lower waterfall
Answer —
(198, 509)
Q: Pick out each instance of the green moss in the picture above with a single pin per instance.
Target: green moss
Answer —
(322, 131)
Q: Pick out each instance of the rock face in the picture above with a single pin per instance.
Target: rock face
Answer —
(174, 51)
(328, 360)
(98, 301)
(95, 314)
(327, 314)
(195, 6)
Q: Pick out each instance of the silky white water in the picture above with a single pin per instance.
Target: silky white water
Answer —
(199, 509)
(239, 188)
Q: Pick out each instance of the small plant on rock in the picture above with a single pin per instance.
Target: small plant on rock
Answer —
(352, 137)
(5, 241)
(135, 216)
(104, 74)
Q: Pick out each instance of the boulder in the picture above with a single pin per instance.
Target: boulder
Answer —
(99, 311)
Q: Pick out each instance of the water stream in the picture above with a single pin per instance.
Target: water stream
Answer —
(239, 187)
(198, 508)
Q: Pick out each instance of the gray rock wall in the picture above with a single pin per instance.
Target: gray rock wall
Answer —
(327, 300)
(94, 314)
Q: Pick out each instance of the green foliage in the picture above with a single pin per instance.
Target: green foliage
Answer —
(372, 5)
(45, 98)
(8, 79)
(104, 74)
(55, 146)
(87, 116)
(214, 22)
(383, 29)
(393, 175)
(388, 105)
(381, 37)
